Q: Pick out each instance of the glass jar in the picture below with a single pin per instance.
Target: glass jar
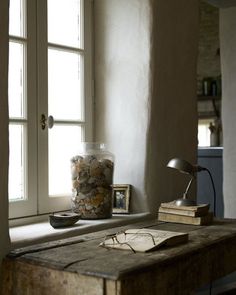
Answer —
(92, 179)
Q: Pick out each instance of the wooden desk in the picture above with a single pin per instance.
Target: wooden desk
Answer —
(79, 266)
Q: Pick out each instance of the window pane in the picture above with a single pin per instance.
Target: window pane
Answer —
(64, 85)
(63, 145)
(16, 80)
(16, 15)
(64, 22)
(17, 167)
(204, 133)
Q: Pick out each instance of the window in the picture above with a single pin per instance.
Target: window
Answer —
(49, 86)
(204, 132)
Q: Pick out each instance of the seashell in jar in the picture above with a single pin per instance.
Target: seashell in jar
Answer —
(97, 200)
(81, 166)
(81, 201)
(91, 193)
(100, 189)
(74, 173)
(108, 175)
(81, 196)
(83, 176)
(107, 198)
(89, 159)
(98, 210)
(74, 191)
(107, 163)
(88, 207)
(104, 190)
(101, 181)
(73, 199)
(76, 183)
(81, 209)
(94, 164)
(96, 172)
(76, 159)
(91, 180)
(85, 188)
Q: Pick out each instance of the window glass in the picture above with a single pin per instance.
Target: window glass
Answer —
(64, 22)
(64, 85)
(204, 132)
(63, 145)
(17, 165)
(16, 80)
(16, 18)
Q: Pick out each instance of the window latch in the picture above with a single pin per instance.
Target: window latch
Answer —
(44, 121)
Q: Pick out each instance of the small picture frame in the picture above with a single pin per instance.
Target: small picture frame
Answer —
(121, 198)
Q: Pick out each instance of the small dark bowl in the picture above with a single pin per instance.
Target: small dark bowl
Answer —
(63, 219)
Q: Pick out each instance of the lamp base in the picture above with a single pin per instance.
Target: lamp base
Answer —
(185, 202)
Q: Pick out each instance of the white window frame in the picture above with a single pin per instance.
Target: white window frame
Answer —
(38, 201)
(28, 206)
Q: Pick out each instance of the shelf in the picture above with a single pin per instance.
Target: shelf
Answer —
(216, 104)
(207, 115)
(205, 98)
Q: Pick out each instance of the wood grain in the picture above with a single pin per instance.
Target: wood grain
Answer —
(209, 254)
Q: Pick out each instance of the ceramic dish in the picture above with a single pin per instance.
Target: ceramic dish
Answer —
(63, 219)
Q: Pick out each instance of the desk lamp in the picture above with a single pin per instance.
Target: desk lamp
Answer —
(187, 168)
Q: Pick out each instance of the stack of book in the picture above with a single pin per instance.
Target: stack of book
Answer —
(196, 215)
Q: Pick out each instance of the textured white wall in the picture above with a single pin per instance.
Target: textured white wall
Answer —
(4, 235)
(228, 66)
(145, 77)
(122, 71)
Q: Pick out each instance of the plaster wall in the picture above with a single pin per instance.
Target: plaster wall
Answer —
(228, 65)
(172, 130)
(145, 92)
(209, 44)
(122, 87)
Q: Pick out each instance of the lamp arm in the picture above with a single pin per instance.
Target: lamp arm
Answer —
(188, 187)
(214, 191)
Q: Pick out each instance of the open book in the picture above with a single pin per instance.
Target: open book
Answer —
(143, 240)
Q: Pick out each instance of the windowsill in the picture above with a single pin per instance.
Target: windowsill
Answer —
(26, 235)
(210, 147)
(210, 151)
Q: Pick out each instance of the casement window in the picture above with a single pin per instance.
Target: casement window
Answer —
(204, 132)
(50, 100)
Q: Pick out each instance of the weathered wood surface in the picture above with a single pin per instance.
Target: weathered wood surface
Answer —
(65, 267)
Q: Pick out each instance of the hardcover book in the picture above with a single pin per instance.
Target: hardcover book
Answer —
(144, 240)
(201, 220)
(194, 211)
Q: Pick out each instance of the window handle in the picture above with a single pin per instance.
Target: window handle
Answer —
(44, 121)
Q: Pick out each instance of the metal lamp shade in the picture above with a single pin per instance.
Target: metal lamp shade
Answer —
(184, 167)
(181, 165)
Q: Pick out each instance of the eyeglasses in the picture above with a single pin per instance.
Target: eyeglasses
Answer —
(125, 238)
